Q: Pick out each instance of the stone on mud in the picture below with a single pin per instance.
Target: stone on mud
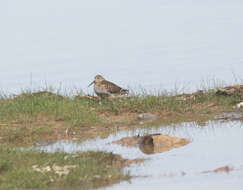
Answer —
(239, 105)
(146, 117)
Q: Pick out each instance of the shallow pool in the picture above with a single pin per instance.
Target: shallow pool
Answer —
(215, 145)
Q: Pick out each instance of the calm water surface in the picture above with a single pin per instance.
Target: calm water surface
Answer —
(212, 146)
(156, 44)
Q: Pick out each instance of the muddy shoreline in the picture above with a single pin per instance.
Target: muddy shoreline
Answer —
(49, 120)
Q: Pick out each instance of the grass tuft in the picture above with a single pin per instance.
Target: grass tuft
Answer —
(92, 169)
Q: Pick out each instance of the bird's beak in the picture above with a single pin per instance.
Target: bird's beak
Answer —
(91, 83)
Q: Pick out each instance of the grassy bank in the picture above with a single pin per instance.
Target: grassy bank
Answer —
(44, 115)
(31, 117)
(39, 170)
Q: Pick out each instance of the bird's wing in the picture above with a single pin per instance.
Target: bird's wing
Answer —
(111, 87)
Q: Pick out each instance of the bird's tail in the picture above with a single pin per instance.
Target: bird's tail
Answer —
(124, 91)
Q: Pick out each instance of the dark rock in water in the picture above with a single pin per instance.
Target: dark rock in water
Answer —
(154, 143)
(237, 115)
(146, 117)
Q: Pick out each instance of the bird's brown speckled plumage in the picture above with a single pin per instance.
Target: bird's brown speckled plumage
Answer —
(104, 88)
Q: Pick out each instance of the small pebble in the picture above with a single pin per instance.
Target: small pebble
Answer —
(146, 117)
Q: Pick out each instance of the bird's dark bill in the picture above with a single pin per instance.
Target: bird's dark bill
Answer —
(91, 83)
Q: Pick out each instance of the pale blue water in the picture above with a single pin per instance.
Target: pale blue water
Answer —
(212, 146)
(156, 44)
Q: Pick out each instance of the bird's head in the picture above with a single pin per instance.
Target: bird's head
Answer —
(97, 79)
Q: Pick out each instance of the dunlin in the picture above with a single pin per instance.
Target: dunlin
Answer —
(104, 88)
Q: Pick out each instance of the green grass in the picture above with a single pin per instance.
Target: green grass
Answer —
(28, 107)
(163, 103)
(42, 115)
(94, 169)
